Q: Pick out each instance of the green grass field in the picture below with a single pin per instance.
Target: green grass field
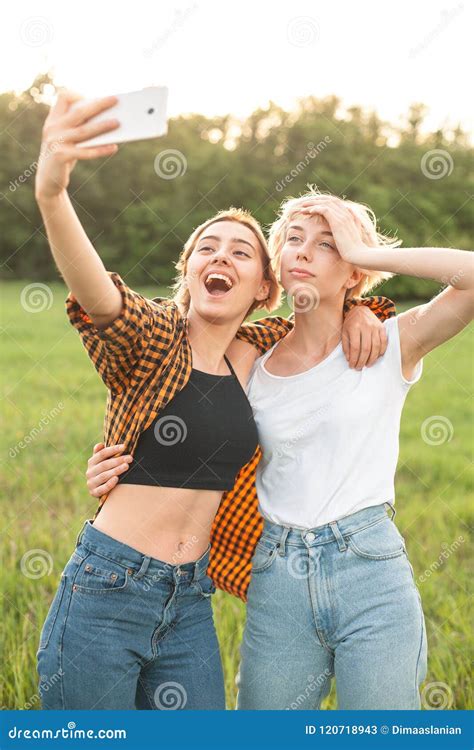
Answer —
(52, 415)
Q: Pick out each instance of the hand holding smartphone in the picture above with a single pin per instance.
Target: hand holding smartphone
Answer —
(141, 114)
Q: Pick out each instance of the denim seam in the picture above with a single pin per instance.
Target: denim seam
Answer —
(145, 690)
(346, 535)
(314, 610)
(93, 550)
(60, 642)
(420, 649)
(160, 631)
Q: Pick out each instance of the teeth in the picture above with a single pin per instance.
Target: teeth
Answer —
(220, 276)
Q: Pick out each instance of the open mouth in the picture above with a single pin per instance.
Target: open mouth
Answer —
(218, 284)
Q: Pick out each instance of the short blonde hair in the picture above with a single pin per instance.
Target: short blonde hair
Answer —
(181, 292)
(290, 208)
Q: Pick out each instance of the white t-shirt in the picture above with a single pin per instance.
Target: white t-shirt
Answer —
(329, 435)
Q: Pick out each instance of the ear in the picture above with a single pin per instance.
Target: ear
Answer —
(355, 277)
(263, 291)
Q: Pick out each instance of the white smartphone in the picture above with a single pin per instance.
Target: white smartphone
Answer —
(142, 115)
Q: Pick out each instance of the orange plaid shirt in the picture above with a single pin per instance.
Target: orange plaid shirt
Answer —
(144, 359)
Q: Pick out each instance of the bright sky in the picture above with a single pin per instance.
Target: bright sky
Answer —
(234, 55)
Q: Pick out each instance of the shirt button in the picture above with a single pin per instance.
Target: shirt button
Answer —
(310, 537)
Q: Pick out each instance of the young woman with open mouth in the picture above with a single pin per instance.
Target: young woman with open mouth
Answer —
(131, 624)
(332, 591)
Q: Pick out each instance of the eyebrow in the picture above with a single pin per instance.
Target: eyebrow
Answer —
(234, 239)
(294, 226)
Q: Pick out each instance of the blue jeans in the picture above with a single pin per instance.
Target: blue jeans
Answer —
(338, 600)
(128, 631)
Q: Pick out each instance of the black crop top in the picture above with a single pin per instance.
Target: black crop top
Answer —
(200, 440)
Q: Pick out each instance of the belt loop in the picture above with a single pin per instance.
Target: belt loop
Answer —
(144, 567)
(282, 542)
(339, 538)
(81, 533)
(393, 510)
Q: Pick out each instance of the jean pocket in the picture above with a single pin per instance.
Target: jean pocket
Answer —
(205, 586)
(52, 615)
(100, 575)
(264, 555)
(381, 541)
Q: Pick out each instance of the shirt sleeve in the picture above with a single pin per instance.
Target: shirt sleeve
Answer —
(382, 307)
(393, 355)
(143, 327)
(264, 333)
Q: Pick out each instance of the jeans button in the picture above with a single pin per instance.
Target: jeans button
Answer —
(310, 536)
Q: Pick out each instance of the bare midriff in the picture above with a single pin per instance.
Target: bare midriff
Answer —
(167, 523)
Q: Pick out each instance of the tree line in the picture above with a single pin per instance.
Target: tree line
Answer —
(140, 206)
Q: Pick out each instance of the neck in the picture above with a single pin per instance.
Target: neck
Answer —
(209, 341)
(319, 330)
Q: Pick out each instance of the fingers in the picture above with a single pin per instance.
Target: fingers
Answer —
(379, 345)
(365, 348)
(89, 130)
(65, 98)
(102, 488)
(110, 464)
(103, 470)
(104, 480)
(101, 453)
(383, 340)
(69, 153)
(84, 112)
(376, 347)
(346, 348)
(354, 335)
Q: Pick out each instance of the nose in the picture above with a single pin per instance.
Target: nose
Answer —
(303, 253)
(220, 257)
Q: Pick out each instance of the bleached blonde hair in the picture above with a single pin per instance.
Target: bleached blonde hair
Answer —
(180, 289)
(290, 209)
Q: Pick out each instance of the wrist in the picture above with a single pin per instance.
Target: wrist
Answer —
(48, 202)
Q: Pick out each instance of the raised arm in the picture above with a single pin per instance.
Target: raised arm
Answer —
(424, 327)
(74, 254)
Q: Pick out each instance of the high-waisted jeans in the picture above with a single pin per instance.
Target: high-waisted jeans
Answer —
(337, 600)
(128, 631)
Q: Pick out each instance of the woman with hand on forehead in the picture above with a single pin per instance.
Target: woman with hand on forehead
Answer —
(332, 591)
(131, 623)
